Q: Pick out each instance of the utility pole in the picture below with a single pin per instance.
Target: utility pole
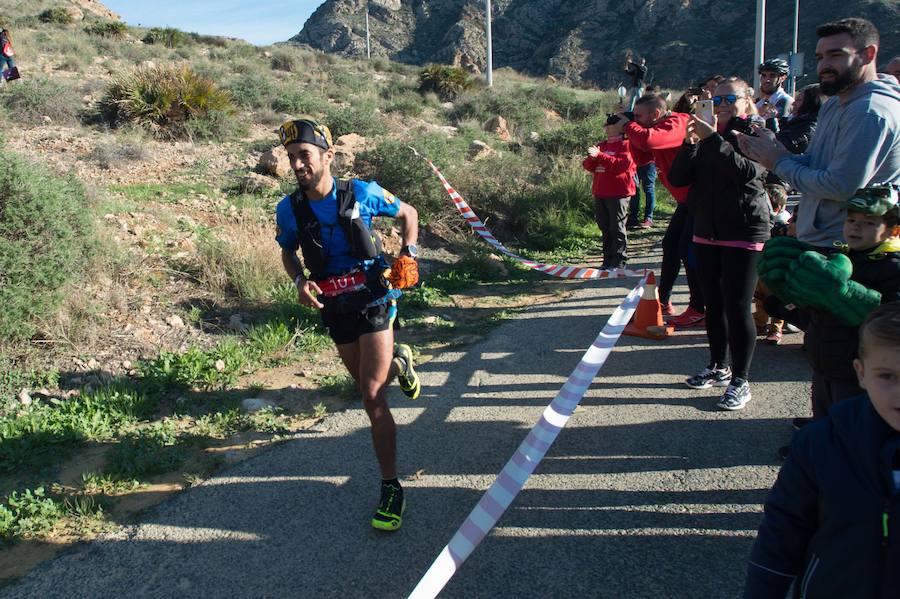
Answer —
(793, 85)
(760, 47)
(489, 71)
(368, 43)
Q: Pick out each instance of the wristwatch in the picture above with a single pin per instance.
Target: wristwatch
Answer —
(411, 250)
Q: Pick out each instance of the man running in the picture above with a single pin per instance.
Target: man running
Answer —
(773, 101)
(329, 221)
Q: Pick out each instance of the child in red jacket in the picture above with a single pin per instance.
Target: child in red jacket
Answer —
(614, 172)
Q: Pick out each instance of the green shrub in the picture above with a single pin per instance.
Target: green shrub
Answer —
(359, 117)
(253, 90)
(150, 451)
(284, 60)
(298, 101)
(558, 211)
(520, 112)
(57, 15)
(571, 138)
(32, 99)
(38, 255)
(115, 29)
(165, 100)
(446, 81)
(42, 434)
(28, 514)
(167, 36)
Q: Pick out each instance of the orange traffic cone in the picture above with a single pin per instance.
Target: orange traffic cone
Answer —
(647, 321)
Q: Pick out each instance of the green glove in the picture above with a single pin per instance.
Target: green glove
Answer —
(824, 283)
(779, 254)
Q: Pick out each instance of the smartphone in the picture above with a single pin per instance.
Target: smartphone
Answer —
(704, 110)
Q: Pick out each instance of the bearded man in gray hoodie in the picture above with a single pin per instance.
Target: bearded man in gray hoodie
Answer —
(857, 140)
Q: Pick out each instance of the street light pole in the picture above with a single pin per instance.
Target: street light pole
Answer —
(794, 48)
(489, 71)
(760, 47)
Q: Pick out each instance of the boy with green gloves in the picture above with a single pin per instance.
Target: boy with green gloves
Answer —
(835, 293)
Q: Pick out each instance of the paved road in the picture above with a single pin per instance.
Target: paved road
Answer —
(650, 491)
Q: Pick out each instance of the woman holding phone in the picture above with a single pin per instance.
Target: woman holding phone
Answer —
(731, 223)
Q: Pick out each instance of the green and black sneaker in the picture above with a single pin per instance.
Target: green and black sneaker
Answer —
(389, 513)
(407, 377)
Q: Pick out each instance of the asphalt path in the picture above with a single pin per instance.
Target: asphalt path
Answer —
(650, 490)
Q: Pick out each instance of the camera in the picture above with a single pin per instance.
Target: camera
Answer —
(744, 126)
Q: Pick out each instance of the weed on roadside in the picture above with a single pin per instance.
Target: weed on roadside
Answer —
(149, 451)
(339, 385)
(28, 514)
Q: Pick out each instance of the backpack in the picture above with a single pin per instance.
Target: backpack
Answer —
(364, 243)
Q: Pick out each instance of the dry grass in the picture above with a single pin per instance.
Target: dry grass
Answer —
(240, 259)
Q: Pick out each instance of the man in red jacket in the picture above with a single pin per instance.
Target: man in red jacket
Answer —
(613, 167)
(657, 131)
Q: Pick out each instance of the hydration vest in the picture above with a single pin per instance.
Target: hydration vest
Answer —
(364, 243)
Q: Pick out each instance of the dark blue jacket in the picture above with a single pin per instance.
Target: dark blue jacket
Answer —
(824, 524)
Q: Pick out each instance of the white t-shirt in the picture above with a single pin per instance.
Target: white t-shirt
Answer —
(781, 100)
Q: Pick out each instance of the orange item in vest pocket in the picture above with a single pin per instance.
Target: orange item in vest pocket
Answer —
(404, 272)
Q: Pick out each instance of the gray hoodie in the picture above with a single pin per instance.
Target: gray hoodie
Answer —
(856, 143)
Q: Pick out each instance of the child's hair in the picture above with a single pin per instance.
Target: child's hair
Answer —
(882, 326)
(777, 195)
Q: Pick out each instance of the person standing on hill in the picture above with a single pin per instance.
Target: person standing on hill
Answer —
(637, 70)
(330, 221)
(613, 170)
(7, 62)
(659, 132)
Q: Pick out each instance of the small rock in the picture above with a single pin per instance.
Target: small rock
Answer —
(236, 324)
(254, 183)
(46, 119)
(220, 365)
(126, 364)
(93, 364)
(499, 126)
(275, 162)
(25, 397)
(293, 386)
(479, 150)
(175, 322)
(255, 404)
(447, 105)
(534, 136)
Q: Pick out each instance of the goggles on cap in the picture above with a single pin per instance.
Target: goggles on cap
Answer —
(305, 130)
(876, 200)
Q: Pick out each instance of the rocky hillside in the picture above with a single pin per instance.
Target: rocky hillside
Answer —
(584, 41)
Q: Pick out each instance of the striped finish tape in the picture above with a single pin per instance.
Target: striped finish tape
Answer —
(556, 270)
(529, 454)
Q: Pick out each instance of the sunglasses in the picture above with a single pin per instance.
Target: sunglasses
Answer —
(729, 99)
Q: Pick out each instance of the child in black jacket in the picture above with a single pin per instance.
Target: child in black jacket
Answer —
(832, 521)
(803, 280)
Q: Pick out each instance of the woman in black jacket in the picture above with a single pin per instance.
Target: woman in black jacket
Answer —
(731, 222)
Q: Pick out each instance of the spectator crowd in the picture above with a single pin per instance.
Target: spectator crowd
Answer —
(731, 156)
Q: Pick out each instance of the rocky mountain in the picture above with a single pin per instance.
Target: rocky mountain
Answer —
(586, 41)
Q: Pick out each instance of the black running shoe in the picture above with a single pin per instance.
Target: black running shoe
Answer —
(389, 513)
(407, 377)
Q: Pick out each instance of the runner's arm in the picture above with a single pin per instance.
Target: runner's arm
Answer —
(409, 224)
(306, 289)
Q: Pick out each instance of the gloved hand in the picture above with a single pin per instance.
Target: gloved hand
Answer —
(404, 272)
(779, 254)
(824, 283)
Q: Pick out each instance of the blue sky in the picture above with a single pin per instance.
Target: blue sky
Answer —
(259, 22)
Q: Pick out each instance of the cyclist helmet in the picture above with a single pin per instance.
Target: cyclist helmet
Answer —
(776, 65)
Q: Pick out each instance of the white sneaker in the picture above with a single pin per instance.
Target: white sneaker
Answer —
(736, 395)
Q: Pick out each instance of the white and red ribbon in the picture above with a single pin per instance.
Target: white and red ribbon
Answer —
(556, 270)
(532, 450)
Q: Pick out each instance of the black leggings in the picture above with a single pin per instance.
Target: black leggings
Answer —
(728, 277)
(677, 248)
